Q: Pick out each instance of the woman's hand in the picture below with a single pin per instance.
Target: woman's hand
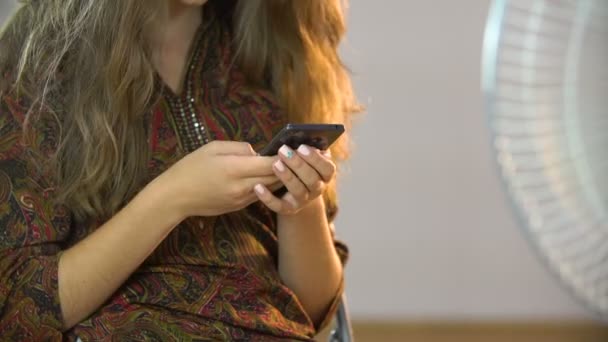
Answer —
(304, 173)
(216, 179)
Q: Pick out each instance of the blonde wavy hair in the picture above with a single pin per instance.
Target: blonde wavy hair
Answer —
(87, 66)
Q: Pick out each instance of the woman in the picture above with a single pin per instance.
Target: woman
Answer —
(132, 203)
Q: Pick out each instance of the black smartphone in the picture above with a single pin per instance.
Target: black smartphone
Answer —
(320, 136)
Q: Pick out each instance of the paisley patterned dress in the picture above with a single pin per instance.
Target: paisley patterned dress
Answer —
(211, 279)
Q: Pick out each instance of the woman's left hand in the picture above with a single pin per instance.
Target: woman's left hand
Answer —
(305, 173)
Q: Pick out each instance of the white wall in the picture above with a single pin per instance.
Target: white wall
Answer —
(431, 233)
(5, 7)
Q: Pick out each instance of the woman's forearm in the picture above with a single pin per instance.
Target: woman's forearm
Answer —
(93, 269)
(308, 261)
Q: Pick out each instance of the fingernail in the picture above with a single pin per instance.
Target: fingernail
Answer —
(286, 151)
(304, 150)
(280, 166)
(259, 189)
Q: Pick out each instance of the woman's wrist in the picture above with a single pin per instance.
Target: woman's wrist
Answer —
(162, 199)
(309, 212)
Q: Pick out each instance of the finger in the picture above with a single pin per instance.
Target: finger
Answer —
(272, 202)
(232, 148)
(294, 203)
(249, 196)
(316, 189)
(276, 186)
(319, 160)
(305, 172)
(249, 200)
(251, 166)
(268, 181)
(293, 184)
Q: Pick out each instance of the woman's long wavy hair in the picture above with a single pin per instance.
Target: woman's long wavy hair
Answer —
(87, 66)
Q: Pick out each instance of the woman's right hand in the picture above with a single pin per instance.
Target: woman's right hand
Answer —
(217, 178)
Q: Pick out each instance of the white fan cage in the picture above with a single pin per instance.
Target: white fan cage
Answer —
(545, 82)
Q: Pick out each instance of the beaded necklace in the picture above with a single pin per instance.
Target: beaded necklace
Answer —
(192, 130)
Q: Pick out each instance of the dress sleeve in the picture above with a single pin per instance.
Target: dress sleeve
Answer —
(331, 208)
(32, 230)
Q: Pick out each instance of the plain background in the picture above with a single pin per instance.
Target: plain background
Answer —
(431, 233)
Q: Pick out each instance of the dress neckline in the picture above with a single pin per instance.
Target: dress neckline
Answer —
(194, 58)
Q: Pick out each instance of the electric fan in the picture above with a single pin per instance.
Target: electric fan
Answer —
(545, 82)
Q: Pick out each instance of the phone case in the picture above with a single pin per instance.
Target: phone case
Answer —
(320, 136)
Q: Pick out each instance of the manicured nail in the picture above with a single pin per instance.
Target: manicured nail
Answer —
(304, 150)
(286, 151)
(280, 166)
(259, 189)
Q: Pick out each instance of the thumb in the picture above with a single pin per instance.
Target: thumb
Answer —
(234, 148)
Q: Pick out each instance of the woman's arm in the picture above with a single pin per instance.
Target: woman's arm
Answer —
(93, 269)
(308, 262)
(52, 290)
